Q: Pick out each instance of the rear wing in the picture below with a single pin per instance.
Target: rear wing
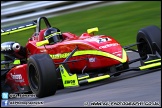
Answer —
(18, 28)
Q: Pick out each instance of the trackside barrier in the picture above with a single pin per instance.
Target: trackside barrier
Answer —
(14, 12)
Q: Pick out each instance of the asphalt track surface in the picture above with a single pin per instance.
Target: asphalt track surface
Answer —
(138, 87)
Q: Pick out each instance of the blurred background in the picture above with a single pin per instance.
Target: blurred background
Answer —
(119, 19)
(14, 12)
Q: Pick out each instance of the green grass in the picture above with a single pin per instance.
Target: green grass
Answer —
(120, 21)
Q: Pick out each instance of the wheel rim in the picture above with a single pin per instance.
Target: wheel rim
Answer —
(33, 77)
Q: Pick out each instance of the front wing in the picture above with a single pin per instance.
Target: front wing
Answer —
(74, 80)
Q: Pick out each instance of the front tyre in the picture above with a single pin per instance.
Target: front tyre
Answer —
(42, 75)
(150, 39)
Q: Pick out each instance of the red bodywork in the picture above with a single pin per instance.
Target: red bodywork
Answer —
(84, 42)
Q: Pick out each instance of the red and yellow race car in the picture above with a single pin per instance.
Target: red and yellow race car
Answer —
(52, 60)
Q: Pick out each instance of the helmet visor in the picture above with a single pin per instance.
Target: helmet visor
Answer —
(54, 38)
(51, 35)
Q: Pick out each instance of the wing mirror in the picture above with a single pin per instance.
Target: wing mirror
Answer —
(92, 30)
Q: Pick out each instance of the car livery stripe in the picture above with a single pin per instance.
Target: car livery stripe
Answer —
(98, 78)
(150, 66)
(150, 61)
(92, 52)
(90, 80)
(84, 77)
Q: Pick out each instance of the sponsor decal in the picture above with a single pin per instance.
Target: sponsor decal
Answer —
(92, 59)
(42, 50)
(69, 81)
(108, 45)
(17, 77)
(99, 40)
(58, 56)
(19, 80)
(118, 53)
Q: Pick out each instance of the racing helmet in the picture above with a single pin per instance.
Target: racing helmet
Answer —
(53, 35)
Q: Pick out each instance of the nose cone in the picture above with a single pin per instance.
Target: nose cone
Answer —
(106, 44)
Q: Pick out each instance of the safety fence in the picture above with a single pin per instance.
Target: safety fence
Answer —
(14, 12)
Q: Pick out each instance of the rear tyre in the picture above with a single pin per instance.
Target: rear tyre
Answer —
(42, 75)
(150, 38)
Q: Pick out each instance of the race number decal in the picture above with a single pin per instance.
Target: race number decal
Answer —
(100, 40)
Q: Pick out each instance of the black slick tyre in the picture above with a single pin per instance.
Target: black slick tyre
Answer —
(150, 39)
(42, 75)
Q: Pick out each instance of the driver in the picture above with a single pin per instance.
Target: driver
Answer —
(53, 35)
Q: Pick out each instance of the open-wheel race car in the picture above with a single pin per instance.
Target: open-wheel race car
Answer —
(51, 60)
